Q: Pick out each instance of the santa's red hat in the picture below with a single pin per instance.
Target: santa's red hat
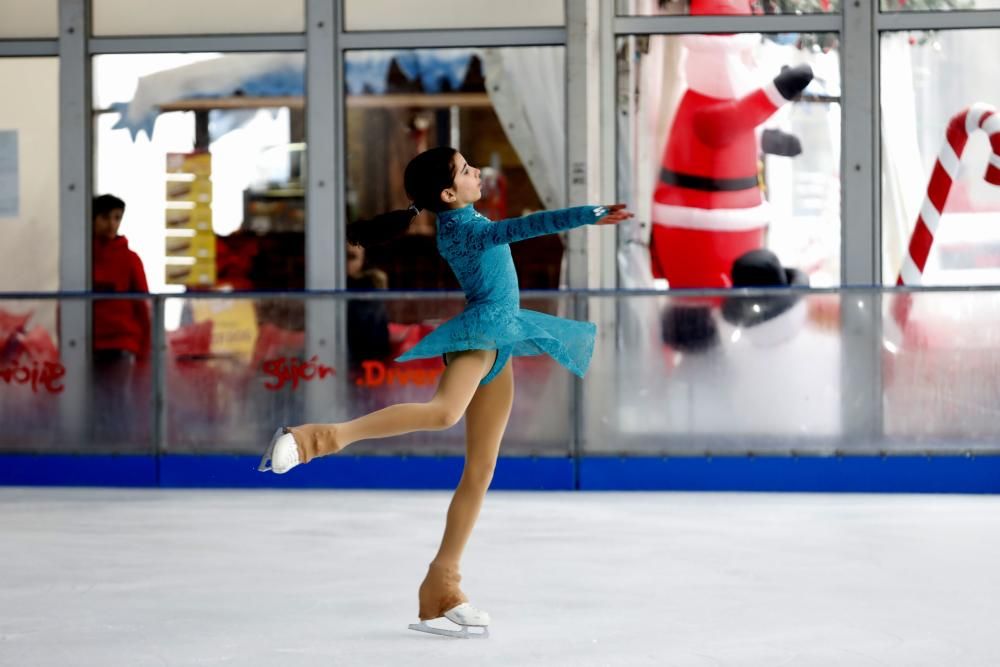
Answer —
(722, 7)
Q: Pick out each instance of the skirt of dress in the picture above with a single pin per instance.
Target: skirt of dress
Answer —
(523, 332)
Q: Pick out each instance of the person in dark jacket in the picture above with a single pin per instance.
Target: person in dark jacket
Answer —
(121, 327)
(367, 320)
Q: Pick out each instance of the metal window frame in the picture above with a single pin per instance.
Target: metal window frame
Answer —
(20, 48)
(451, 38)
(198, 43)
(681, 24)
(952, 20)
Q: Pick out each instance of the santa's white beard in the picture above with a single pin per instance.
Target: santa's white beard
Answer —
(716, 65)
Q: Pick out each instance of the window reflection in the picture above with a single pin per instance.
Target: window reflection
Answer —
(929, 81)
(728, 144)
(208, 152)
(937, 5)
(727, 7)
(503, 108)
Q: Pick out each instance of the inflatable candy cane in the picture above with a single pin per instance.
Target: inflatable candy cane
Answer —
(977, 117)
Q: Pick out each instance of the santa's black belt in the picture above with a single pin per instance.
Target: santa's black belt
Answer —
(693, 182)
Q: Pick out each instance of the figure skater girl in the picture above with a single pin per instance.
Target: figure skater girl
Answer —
(476, 345)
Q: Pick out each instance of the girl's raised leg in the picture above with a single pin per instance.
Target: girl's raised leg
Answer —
(455, 390)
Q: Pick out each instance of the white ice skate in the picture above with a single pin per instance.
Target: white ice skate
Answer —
(281, 455)
(465, 616)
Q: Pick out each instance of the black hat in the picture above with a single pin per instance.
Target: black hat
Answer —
(761, 268)
(688, 328)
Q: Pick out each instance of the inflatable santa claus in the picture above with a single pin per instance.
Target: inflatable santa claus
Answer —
(708, 208)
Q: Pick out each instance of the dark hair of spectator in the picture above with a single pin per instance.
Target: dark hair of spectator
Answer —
(424, 178)
(104, 204)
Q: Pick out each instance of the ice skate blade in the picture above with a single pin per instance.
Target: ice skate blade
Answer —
(457, 634)
(265, 460)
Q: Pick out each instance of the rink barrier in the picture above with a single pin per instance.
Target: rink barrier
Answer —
(238, 471)
(841, 474)
(870, 470)
(836, 474)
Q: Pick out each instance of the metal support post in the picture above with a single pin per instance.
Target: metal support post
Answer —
(860, 326)
(326, 324)
(74, 214)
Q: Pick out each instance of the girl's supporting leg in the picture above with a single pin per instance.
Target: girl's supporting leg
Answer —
(456, 389)
(485, 422)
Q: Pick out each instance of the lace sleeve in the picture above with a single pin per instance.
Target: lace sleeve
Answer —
(537, 224)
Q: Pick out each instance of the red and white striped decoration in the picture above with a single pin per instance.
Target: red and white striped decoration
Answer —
(977, 117)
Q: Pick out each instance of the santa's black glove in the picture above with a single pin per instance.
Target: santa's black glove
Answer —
(793, 80)
(776, 142)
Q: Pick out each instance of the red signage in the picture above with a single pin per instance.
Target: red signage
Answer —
(375, 374)
(293, 370)
(290, 371)
(45, 375)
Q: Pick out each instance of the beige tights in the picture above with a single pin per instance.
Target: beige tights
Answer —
(486, 409)
(458, 384)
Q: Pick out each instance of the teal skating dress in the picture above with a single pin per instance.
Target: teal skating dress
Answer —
(478, 252)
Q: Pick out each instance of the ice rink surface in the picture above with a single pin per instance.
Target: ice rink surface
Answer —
(275, 578)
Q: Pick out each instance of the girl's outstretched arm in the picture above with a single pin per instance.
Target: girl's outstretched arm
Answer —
(547, 222)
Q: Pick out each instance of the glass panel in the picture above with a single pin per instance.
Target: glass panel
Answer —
(208, 152)
(29, 174)
(29, 18)
(187, 17)
(937, 5)
(31, 377)
(723, 376)
(437, 14)
(237, 369)
(941, 362)
(717, 161)
(929, 81)
(774, 373)
(725, 7)
(767, 373)
(502, 108)
(39, 412)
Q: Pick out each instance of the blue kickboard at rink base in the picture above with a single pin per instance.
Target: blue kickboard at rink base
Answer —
(859, 474)
(215, 471)
(364, 472)
(847, 474)
(77, 470)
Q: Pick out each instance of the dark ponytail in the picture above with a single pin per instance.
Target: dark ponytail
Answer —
(381, 229)
(425, 177)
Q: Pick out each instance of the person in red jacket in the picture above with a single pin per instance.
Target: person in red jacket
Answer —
(121, 327)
